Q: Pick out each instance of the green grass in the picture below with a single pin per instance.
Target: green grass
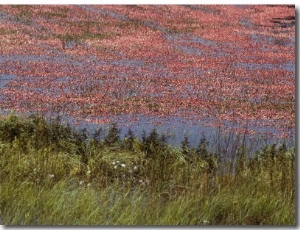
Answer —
(53, 175)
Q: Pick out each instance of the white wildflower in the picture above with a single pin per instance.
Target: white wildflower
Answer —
(113, 163)
(115, 167)
(135, 168)
(50, 175)
(89, 170)
(205, 222)
(123, 165)
(81, 183)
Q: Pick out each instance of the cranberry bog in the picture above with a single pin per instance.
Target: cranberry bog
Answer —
(184, 69)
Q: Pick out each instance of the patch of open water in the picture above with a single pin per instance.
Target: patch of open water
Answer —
(4, 79)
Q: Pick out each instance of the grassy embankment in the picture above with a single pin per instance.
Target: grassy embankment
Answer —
(51, 175)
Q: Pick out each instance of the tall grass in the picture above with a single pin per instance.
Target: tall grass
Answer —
(51, 175)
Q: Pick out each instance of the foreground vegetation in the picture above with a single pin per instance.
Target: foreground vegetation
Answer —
(54, 175)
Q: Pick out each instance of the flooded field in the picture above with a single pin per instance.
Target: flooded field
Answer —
(183, 69)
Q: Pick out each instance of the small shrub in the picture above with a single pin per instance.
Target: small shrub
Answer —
(113, 136)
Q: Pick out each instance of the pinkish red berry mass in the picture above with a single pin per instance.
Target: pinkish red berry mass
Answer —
(209, 66)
